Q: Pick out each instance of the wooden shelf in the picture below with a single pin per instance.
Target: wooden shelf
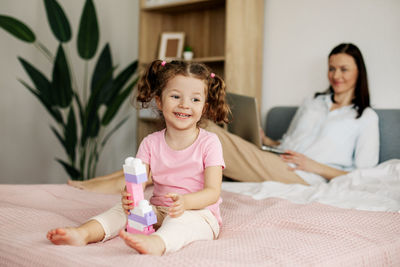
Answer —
(209, 59)
(180, 6)
(226, 35)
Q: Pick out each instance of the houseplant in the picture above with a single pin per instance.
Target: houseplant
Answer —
(188, 53)
(81, 116)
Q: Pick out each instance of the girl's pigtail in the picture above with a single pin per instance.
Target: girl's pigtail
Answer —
(148, 85)
(217, 107)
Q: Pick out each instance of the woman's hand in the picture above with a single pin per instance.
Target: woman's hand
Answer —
(304, 163)
(126, 201)
(300, 161)
(178, 207)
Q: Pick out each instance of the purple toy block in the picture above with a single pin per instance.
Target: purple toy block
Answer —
(137, 179)
(149, 218)
(136, 191)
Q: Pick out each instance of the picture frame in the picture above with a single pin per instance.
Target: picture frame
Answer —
(171, 45)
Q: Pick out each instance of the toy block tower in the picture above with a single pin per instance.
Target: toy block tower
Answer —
(142, 217)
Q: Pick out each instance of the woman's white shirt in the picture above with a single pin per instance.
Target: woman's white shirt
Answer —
(335, 138)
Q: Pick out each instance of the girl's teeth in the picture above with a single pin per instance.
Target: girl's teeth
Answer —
(182, 115)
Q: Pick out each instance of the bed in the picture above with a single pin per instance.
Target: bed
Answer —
(256, 232)
(353, 221)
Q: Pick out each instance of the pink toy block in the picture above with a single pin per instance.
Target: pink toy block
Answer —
(136, 191)
(135, 175)
(147, 231)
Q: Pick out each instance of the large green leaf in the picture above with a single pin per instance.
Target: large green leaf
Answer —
(40, 81)
(17, 28)
(61, 84)
(70, 134)
(91, 125)
(115, 105)
(88, 34)
(59, 137)
(121, 80)
(58, 21)
(71, 170)
(102, 74)
(80, 108)
(91, 120)
(94, 126)
(52, 110)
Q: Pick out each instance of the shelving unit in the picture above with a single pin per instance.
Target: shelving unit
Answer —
(224, 34)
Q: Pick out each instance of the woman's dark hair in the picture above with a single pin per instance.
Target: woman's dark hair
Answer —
(361, 92)
(158, 74)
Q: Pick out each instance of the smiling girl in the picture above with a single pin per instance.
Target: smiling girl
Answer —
(184, 163)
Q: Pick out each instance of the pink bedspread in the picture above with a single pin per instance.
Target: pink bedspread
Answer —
(266, 232)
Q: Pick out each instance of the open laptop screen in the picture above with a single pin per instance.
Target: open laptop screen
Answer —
(245, 120)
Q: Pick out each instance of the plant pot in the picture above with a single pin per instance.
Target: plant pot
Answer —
(187, 55)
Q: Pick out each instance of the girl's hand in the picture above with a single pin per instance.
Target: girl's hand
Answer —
(301, 161)
(178, 207)
(126, 202)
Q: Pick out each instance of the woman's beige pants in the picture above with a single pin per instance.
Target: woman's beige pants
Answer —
(246, 162)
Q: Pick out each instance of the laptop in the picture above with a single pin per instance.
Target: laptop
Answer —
(245, 121)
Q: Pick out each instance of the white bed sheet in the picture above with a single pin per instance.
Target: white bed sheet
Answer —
(374, 189)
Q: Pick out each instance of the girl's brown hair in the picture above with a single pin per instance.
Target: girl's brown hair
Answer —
(159, 73)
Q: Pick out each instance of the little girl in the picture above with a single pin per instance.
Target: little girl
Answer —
(184, 162)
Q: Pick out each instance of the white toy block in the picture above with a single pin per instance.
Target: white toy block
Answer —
(143, 208)
(129, 160)
(134, 166)
(136, 225)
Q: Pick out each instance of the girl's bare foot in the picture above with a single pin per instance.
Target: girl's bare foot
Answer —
(144, 244)
(67, 236)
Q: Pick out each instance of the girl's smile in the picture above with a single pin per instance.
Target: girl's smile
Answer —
(181, 115)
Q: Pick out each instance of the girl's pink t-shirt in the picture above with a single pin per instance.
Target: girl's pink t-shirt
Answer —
(180, 171)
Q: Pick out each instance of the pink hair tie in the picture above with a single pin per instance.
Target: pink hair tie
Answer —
(212, 74)
(163, 63)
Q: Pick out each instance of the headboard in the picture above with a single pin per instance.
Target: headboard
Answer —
(278, 120)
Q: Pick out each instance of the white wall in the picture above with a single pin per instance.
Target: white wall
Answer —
(298, 37)
(27, 146)
(300, 34)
